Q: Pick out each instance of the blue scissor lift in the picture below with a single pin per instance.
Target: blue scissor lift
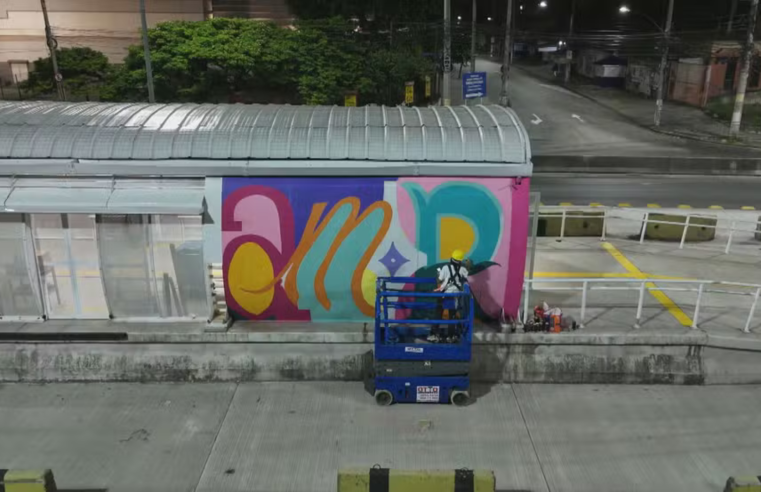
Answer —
(409, 368)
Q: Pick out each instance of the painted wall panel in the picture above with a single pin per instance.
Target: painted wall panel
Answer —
(311, 248)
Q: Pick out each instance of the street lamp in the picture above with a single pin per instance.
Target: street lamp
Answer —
(488, 19)
(666, 32)
(459, 17)
(542, 4)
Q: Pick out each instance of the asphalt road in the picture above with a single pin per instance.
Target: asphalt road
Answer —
(666, 191)
(561, 122)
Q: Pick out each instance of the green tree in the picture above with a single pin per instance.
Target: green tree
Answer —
(209, 61)
(84, 72)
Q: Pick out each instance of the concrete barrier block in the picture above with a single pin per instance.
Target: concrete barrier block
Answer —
(27, 481)
(743, 484)
(699, 229)
(758, 230)
(582, 224)
(391, 480)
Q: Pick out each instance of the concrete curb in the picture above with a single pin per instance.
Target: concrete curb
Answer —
(670, 133)
(701, 166)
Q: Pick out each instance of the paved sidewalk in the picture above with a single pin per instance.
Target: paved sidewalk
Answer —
(677, 119)
(293, 437)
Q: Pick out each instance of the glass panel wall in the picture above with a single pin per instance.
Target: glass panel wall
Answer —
(68, 264)
(153, 266)
(179, 266)
(127, 263)
(19, 285)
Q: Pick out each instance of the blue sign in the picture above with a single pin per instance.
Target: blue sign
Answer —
(473, 85)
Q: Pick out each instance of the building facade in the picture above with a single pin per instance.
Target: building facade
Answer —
(124, 207)
(108, 26)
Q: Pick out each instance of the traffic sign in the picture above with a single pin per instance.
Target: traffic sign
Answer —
(350, 100)
(473, 85)
(409, 93)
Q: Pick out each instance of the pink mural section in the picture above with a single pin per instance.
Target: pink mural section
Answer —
(312, 248)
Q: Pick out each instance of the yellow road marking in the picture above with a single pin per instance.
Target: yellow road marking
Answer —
(653, 205)
(566, 204)
(595, 204)
(581, 275)
(624, 205)
(748, 208)
(684, 207)
(661, 297)
(716, 207)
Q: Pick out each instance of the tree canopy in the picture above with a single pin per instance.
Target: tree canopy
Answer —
(84, 71)
(223, 60)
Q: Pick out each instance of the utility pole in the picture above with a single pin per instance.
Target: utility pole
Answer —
(147, 52)
(53, 45)
(447, 53)
(569, 56)
(742, 85)
(473, 38)
(664, 63)
(504, 97)
(732, 13)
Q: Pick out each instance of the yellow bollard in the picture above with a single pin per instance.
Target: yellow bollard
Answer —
(27, 481)
(388, 480)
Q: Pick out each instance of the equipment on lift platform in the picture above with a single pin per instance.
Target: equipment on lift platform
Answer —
(422, 355)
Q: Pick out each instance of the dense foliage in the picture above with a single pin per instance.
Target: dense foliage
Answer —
(238, 60)
(84, 71)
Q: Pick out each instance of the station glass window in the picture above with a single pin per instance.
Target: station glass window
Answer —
(68, 265)
(19, 286)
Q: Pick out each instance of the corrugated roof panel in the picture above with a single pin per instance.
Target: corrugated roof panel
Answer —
(149, 132)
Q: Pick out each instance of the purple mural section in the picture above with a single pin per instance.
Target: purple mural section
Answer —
(312, 248)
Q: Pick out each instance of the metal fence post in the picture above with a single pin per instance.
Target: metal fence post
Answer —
(644, 228)
(684, 233)
(584, 287)
(697, 307)
(604, 223)
(525, 301)
(729, 241)
(752, 311)
(639, 305)
(562, 226)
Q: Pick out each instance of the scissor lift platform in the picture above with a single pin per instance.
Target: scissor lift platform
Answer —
(421, 355)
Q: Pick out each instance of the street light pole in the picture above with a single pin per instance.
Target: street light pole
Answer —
(473, 39)
(53, 45)
(147, 53)
(447, 82)
(569, 57)
(742, 84)
(664, 62)
(504, 97)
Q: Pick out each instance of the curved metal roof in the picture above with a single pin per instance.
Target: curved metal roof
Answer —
(471, 136)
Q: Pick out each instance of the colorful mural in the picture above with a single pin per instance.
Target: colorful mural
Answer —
(311, 248)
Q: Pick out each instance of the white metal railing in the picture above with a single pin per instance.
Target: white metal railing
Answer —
(747, 226)
(700, 287)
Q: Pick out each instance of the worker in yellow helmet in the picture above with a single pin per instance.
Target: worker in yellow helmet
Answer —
(452, 279)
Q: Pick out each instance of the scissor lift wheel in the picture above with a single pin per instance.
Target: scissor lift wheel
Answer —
(383, 398)
(459, 398)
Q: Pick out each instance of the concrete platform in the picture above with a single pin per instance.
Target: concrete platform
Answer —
(293, 437)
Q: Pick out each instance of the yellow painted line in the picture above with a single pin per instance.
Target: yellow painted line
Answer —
(566, 204)
(624, 205)
(595, 204)
(653, 205)
(667, 277)
(661, 297)
(716, 207)
(581, 275)
(684, 207)
(748, 208)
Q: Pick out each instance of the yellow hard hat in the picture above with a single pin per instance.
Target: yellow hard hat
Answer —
(458, 255)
